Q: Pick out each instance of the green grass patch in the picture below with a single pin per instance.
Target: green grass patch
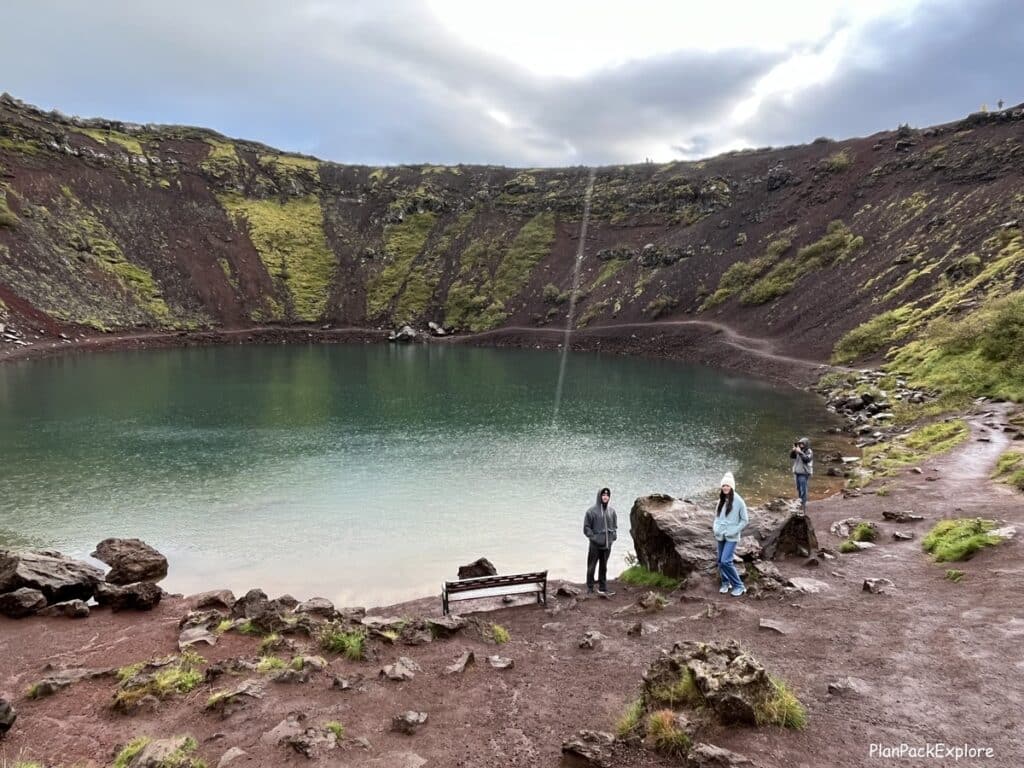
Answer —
(7, 217)
(350, 643)
(837, 244)
(959, 539)
(864, 532)
(659, 305)
(884, 459)
(781, 708)
(248, 628)
(639, 576)
(289, 238)
(848, 547)
(531, 244)
(336, 728)
(126, 142)
(130, 751)
(608, 270)
(499, 634)
(269, 643)
(878, 333)
(270, 663)
(165, 680)
(666, 735)
(954, 575)
(1010, 469)
(223, 626)
(630, 718)
(741, 275)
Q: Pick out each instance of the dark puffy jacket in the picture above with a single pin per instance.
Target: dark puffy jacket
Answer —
(601, 525)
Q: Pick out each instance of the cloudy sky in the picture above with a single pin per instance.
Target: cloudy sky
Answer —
(524, 83)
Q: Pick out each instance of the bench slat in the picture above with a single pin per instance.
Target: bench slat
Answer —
(479, 592)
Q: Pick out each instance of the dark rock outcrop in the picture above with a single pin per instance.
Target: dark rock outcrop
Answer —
(481, 567)
(7, 716)
(588, 749)
(22, 602)
(59, 578)
(264, 614)
(140, 596)
(130, 560)
(795, 536)
(72, 609)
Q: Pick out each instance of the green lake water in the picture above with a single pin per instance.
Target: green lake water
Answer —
(368, 474)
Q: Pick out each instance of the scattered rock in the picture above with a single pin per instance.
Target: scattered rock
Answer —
(256, 608)
(232, 754)
(446, 626)
(458, 666)
(902, 517)
(404, 334)
(709, 756)
(130, 560)
(408, 722)
(843, 528)
(848, 686)
(22, 602)
(403, 669)
(903, 535)
(72, 609)
(592, 639)
(652, 601)
(500, 662)
(214, 598)
(290, 675)
(877, 586)
(808, 586)
(194, 636)
(642, 628)
(565, 590)
(318, 606)
(588, 748)
(774, 626)
(226, 702)
(478, 568)
(7, 716)
(288, 728)
(670, 535)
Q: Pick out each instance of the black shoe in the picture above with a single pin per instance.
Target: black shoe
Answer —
(590, 590)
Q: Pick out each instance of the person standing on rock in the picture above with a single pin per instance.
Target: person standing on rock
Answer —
(730, 520)
(600, 526)
(803, 468)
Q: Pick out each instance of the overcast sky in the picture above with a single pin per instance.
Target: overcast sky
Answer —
(524, 83)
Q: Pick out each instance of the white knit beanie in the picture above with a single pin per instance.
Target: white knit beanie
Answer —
(727, 479)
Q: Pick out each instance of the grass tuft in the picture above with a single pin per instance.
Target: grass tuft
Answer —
(639, 576)
(352, 643)
(499, 634)
(781, 708)
(336, 728)
(630, 718)
(665, 733)
(959, 539)
(954, 575)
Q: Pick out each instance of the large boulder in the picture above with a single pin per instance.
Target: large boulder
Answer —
(130, 560)
(730, 682)
(59, 578)
(141, 596)
(672, 536)
(22, 602)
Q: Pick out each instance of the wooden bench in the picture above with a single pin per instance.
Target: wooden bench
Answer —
(493, 586)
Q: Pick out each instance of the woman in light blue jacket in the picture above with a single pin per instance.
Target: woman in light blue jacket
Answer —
(730, 520)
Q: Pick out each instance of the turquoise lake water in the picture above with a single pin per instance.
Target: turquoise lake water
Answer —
(367, 474)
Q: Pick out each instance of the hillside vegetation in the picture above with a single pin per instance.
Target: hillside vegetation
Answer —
(906, 244)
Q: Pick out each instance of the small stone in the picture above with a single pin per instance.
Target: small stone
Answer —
(500, 662)
(403, 669)
(877, 586)
(808, 586)
(902, 536)
(458, 666)
(848, 686)
(774, 626)
(592, 639)
(408, 722)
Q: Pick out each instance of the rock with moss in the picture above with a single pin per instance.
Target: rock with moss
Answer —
(176, 752)
(7, 716)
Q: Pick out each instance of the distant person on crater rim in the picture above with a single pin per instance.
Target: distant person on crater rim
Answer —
(803, 468)
(600, 526)
(730, 520)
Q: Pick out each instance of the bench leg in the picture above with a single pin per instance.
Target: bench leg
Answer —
(444, 603)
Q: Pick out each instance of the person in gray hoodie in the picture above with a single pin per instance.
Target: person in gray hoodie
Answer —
(600, 526)
(803, 468)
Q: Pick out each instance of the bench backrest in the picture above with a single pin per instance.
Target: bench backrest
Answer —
(483, 582)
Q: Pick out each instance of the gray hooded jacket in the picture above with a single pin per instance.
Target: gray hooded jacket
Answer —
(803, 458)
(600, 525)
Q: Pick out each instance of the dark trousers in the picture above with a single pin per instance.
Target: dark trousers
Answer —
(598, 556)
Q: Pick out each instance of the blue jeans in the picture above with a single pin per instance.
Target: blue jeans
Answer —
(726, 569)
(801, 487)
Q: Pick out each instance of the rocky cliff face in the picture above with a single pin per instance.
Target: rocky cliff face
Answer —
(106, 225)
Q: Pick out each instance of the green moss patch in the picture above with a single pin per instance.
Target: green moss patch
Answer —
(741, 275)
(837, 244)
(885, 459)
(959, 539)
(781, 708)
(350, 643)
(665, 734)
(290, 240)
(402, 244)
(878, 333)
(159, 679)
